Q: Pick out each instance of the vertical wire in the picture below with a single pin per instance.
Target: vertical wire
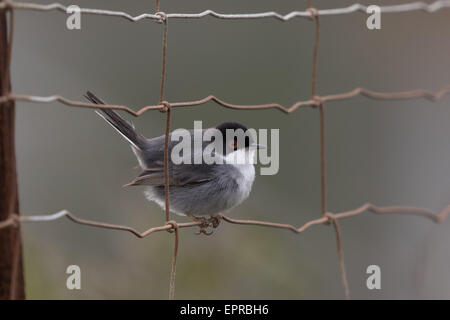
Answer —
(166, 140)
(174, 263)
(166, 156)
(323, 180)
(323, 168)
(323, 163)
(315, 55)
(166, 164)
(341, 258)
(163, 64)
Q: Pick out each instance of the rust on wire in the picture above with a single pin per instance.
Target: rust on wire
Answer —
(413, 211)
(316, 18)
(166, 109)
(400, 95)
(163, 56)
(173, 226)
(319, 102)
(64, 213)
(14, 220)
(323, 160)
(174, 259)
(323, 168)
(367, 207)
(340, 251)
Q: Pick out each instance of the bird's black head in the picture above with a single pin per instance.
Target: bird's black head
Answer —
(235, 136)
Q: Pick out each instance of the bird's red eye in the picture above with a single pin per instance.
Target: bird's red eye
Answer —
(234, 144)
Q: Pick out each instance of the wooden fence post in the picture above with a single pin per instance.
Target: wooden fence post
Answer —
(11, 266)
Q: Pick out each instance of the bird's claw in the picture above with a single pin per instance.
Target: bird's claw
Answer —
(204, 230)
(205, 223)
(215, 221)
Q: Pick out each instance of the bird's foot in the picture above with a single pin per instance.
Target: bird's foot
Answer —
(205, 223)
(215, 221)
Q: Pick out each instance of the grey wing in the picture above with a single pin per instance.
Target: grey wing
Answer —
(152, 161)
(152, 156)
(179, 175)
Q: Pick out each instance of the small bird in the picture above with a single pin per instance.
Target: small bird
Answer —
(195, 190)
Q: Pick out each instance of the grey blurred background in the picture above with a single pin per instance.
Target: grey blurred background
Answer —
(389, 153)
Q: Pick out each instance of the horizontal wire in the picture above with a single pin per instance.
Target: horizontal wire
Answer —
(172, 226)
(316, 101)
(14, 219)
(437, 218)
(169, 226)
(407, 7)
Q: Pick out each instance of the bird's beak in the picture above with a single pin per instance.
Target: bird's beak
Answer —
(257, 146)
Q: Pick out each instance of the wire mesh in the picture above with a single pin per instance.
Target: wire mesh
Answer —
(316, 101)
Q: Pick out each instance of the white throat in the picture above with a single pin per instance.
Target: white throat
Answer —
(241, 157)
(243, 160)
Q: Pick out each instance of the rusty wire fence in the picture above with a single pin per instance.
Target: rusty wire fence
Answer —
(316, 101)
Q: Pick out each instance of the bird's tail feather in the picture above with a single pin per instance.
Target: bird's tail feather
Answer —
(117, 122)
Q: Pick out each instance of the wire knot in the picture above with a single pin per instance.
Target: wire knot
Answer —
(161, 17)
(314, 13)
(331, 217)
(174, 225)
(7, 4)
(12, 221)
(316, 101)
(15, 219)
(165, 106)
(6, 98)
